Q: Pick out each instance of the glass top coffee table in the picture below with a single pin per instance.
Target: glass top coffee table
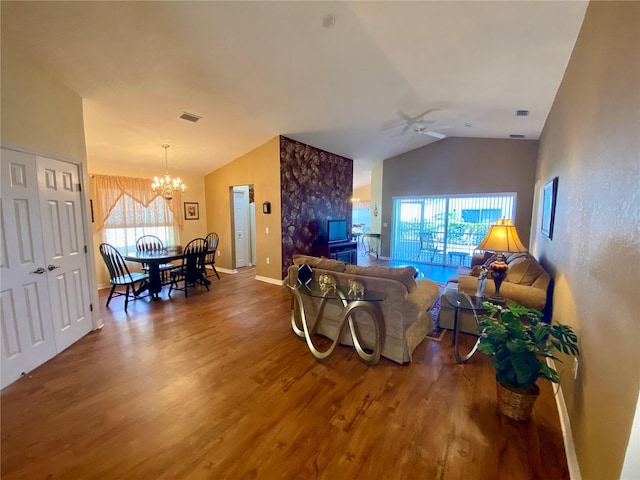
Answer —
(365, 302)
(459, 300)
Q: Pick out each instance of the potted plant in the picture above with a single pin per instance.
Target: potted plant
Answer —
(519, 344)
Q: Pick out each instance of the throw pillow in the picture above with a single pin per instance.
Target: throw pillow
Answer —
(490, 260)
(524, 271)
(305, 274)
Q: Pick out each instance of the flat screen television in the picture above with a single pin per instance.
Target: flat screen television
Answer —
(337, 231)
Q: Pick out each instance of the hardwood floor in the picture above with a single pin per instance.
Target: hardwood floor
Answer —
(217, 386)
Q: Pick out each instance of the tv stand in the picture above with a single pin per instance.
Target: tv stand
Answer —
(344, 251)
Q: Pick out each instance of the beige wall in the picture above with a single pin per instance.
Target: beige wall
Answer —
(462, 166)
(40, 115)
(190, 228)
(362, 193)
(260, 168)
(38, 112)
(591, 142)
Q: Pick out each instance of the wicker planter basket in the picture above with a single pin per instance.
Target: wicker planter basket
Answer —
(517, 404)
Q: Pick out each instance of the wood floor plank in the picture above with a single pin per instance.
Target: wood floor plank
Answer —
(217, 386)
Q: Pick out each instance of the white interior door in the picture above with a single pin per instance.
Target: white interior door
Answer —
(65, 257)
(241, 224)
(26, 335)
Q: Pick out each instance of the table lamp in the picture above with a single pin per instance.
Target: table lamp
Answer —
(501, 238)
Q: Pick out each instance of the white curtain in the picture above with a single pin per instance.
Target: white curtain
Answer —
(126, 208)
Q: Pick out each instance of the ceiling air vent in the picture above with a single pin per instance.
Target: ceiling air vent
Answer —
(190, 117)
(516, 135)
(522, 113)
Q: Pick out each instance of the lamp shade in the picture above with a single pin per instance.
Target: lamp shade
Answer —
(502, 237)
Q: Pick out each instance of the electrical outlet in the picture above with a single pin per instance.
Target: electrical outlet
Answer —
(575, 368)
(219, 252)
(266, 230)
(268, 260)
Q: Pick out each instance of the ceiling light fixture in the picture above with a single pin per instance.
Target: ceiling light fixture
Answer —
(166, 186)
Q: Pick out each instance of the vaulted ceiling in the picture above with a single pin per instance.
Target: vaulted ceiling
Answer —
(346, 77)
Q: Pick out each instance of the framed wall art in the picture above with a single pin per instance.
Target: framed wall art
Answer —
(191, 211)
(549, 194)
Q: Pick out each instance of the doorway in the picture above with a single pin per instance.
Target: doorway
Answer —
(243, 225)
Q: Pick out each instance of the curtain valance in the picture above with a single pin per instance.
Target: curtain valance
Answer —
(108, 190)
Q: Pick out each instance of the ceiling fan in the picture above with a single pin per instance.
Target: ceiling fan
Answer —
(418, 125)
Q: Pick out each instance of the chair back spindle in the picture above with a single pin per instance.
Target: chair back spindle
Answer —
(149, 243)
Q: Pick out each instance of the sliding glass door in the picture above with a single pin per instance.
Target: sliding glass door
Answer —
(445, 230)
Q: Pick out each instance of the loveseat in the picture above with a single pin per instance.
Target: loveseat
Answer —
(406, 311)
(526, 283)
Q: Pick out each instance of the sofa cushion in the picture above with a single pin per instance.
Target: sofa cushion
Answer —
(317, 262)
(524, 270)
(404, 275)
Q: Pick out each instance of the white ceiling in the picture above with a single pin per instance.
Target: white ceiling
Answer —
(254, 70)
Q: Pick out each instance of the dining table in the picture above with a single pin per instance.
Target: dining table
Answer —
(153, 259)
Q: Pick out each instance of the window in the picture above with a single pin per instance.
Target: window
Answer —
(455, 226)
(129, 220)
(126, 209)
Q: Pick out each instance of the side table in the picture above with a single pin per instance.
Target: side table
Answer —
(460, 300)
(369, 249)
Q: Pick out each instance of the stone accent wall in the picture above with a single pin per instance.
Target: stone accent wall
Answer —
(316, 186)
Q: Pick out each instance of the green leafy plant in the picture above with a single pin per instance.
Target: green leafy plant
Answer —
(519, 343)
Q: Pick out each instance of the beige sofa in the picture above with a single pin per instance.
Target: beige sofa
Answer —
(526, 283)
(406, 310)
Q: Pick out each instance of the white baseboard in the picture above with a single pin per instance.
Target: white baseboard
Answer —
(224, 270)
(567, 434)
(272, 281)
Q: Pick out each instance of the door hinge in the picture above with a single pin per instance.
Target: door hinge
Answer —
(91, 307)
(85, 249)
(79, 185)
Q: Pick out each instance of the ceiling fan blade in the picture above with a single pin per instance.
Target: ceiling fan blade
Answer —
(433, 134)
(404, 116)
(427, 111)
(409, 119)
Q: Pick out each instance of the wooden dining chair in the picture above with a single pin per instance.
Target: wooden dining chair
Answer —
(192, 271)
(120, 276)
(151, 243)
(210, 258)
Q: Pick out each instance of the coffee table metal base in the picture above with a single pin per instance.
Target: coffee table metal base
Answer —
(347, 317)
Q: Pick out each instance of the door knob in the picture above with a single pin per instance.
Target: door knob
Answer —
(39, 271)
(52, 267)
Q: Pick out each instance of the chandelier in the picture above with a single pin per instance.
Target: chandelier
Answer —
(166, 186)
